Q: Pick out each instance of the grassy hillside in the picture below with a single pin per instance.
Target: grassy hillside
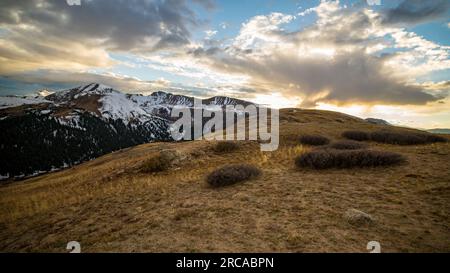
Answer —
(111, 205)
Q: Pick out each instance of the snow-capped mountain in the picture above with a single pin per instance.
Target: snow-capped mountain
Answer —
(168, 99)
(161, 103)
(14, 101)
(45, 133)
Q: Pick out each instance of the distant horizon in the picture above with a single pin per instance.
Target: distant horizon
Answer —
(148, 93)
(389, 61)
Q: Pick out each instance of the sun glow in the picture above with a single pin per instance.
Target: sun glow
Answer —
(327, 52)
(354, 110)
(277, 100)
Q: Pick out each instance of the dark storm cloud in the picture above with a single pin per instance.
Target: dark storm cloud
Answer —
(120, 24)
(416, 11)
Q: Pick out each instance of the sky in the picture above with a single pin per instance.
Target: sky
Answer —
(369, 58)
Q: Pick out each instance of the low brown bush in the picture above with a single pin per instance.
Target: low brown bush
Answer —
(432, 138)
(348, 145)
(232, 174)
(395, 137)
(226, 146)
(356, 135)
(405, 138)
(314, 140)
(330, 158)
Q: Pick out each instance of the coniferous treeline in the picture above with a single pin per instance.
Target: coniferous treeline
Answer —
(34, 143)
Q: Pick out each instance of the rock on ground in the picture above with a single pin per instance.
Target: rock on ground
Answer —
(174, 157)
(358, 218)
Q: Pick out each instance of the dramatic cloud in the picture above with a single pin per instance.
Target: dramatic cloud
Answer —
(261, 28)
(62, 78)
(348, 78)
(416, 11)
(349, 56)
(54, 34)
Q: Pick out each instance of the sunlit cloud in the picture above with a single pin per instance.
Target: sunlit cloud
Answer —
(328, 62)
(276, 100)
(45, 34)
(356, 59)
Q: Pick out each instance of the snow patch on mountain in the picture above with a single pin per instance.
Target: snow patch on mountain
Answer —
(44, 93)
(12, 101)
(66, 96)
(4, 177)
(72, 121)
(116, 105)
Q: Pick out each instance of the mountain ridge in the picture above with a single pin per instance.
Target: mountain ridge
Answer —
(442, 131)
(79, 124)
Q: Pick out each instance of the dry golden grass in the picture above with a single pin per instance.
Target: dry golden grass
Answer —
(108, 205)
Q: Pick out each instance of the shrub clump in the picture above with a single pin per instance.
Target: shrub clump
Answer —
(431, 138)
(326, 159)
(396, 138)
(356, 135)
(405, 138)
(232, 174)
(348, 145)
(314, 140)
(226, 146)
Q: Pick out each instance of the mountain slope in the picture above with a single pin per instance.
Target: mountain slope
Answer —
(108, 205)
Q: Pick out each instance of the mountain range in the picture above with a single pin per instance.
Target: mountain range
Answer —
(439, 131)
(55, 130)
(48, 132)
